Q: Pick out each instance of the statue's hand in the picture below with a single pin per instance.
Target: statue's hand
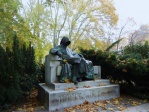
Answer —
(59, 53)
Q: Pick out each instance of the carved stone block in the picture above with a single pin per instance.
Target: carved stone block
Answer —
(60, 99)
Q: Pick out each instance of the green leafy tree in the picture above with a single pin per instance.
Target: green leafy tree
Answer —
(80, 19)
(36, 17)
(11, 21)
(50, 20)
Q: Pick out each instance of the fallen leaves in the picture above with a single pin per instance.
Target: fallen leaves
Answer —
(70, 89)
(102, 84)
(116, 101)
(121, 108)
(107, 101)
(69, 109)
(134, 103)
(115, 104)
(44, 84)
(100, 104)
(19, 109)
(111, 109)
(31, 109)
(86, 86)
(77, 107)
(85, 107)
(67, 81)
(31, 102)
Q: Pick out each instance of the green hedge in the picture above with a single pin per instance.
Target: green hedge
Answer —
(18, 72)
(131, 71)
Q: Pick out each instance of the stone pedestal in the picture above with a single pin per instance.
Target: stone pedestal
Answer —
(60, 99)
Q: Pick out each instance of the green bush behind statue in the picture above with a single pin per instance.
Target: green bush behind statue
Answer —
(130, 68)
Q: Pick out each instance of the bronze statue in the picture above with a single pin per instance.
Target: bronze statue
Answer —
(74, 66)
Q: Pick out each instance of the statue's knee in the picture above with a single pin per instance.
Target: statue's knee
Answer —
(89, 62)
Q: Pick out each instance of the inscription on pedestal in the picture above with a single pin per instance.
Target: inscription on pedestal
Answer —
(89, 94)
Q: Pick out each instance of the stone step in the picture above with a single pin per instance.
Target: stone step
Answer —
(60, 99)
(63, 86)
(93, 83)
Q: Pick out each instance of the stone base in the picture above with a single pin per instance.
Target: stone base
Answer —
(63, 86)
(59, 99)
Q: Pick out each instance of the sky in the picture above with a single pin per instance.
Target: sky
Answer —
(136, 9)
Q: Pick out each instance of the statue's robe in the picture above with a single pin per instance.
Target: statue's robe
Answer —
(76, 66)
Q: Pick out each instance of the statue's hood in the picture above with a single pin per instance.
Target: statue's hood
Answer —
(65, 41)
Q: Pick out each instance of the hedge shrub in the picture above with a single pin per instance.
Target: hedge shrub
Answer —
(130, 69)
(18, 72)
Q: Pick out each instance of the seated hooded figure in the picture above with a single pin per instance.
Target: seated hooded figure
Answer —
(74, 66)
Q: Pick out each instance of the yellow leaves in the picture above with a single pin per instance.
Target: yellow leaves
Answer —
(31, 109)
(121, 108)
(31, 103)
(19, 109)
(64, 60)
(86, 102)
(108, 9)
(100, 104)
(52, 26)
(134, 103)
(107, 101)
(82, 7)
(70, 89)
(120, 99)
(102, 84)
(84, 43)
(93, 19)
(116, 102)
(42, 107)
(74, 0)
(67, 81)
(111, 109)
(73, 23)
(69, 109)
(77, 107)
(145, 101)
(85, 107)
(39, 9)
(86, 86)
(44, 84)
